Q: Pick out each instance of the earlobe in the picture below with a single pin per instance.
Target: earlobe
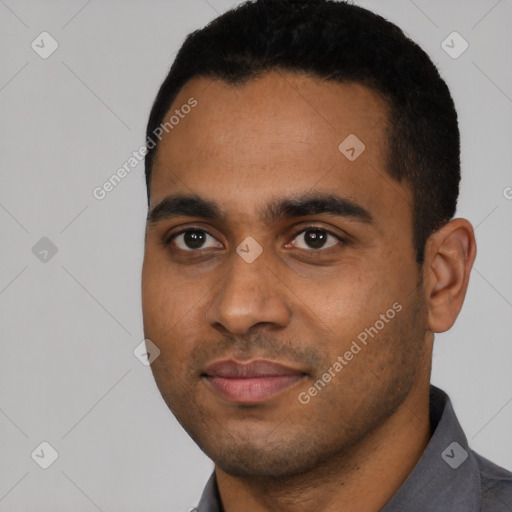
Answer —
(449, 257)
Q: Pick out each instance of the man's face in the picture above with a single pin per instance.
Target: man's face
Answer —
(332, 278)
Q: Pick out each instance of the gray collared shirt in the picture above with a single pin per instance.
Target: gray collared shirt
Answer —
(449, 477)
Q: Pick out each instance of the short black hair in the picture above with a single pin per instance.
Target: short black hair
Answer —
(335, 40)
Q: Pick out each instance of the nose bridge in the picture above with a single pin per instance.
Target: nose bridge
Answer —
(250, 293)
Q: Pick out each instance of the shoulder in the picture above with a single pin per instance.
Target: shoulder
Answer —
(496, 486)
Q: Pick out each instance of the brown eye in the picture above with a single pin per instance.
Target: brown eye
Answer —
(193, 239)
(316, 238)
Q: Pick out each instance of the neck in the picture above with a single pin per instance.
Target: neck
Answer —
(361, 479)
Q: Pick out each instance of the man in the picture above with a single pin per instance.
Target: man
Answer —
(301, 252)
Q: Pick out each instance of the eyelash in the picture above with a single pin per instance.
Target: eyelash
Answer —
(169, 239)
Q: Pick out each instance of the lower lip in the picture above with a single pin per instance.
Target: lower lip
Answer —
(252, 390)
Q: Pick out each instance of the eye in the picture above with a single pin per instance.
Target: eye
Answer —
(315, 238)
(193, 239)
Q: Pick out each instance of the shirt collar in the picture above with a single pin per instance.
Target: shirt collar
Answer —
(447, 476)
(210, 499)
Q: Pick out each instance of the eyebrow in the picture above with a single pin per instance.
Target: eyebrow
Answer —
(296, 206)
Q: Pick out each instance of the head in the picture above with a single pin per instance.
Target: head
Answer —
(300, 212)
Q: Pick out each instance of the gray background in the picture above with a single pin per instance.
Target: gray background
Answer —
(69, 324)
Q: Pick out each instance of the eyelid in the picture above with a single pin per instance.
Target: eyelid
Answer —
(319, 228)
(311, 227)
(168, 239)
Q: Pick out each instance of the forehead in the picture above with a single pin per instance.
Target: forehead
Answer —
(282, 132)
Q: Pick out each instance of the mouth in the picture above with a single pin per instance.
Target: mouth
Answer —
(250, 383)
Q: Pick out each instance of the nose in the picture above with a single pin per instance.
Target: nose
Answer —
(251, 294)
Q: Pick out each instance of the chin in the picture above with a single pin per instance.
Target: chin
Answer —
(290, 456)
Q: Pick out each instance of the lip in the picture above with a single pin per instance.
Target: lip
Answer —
(250, 382)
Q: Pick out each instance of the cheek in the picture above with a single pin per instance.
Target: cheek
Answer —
(356, 304)
(164, 304)
(173, 316)
(161, 290)
(346, 297)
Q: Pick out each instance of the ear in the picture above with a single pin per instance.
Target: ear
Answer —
(449, 256)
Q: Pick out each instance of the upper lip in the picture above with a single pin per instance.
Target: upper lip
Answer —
(230, 368)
